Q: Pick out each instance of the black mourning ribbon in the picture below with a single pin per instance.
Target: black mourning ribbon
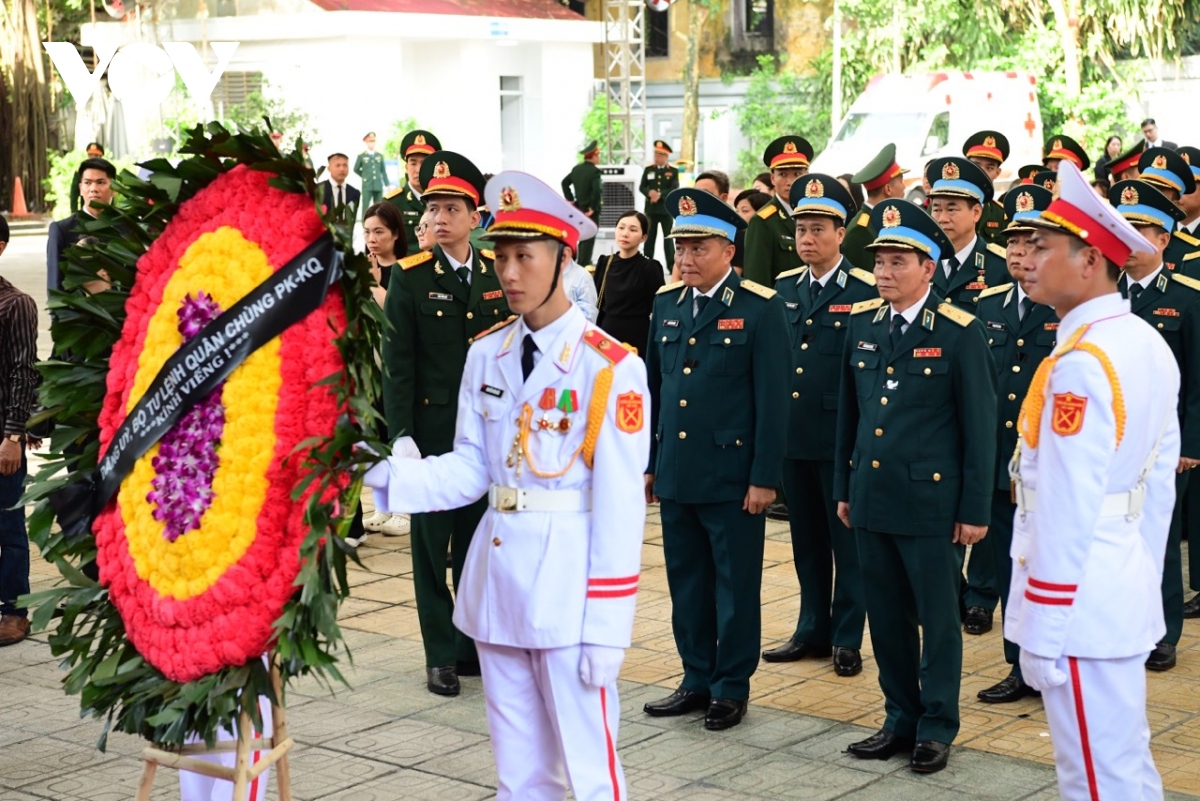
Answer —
(285, 298)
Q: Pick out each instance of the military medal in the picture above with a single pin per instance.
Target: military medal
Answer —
(568, 404)
(548, 402)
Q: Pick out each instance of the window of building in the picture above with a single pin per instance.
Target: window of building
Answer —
(760, 18)
(232, 90)
(658, 29)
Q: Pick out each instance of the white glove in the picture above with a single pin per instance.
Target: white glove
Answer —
(380, 474)
(1041, 672)
(599, 665)
(406, 448)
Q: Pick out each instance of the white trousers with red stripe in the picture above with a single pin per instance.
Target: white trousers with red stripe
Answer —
(195, 787)
(1100, 733)
(550, 730)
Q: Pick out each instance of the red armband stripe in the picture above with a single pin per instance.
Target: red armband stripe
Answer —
(608, 582)
(1046, 599)
(625, 593)
(1045, 585)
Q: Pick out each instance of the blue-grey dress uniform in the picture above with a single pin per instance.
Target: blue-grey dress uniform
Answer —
(832, 609)
(1170, 303)
(915, 454)
(984, 266)
(717, 371)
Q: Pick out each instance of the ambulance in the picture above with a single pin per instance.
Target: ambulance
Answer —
(930, 116)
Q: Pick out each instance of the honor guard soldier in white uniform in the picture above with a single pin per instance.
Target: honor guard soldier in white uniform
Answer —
(553, 427)
(1094, 481)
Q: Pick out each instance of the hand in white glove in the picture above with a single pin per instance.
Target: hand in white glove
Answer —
(599, 665)
(406, 448)
(1041, 672)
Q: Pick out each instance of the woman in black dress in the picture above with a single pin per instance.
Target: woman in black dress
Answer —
(626, 282)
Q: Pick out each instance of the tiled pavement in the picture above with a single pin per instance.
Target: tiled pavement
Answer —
(388, 739)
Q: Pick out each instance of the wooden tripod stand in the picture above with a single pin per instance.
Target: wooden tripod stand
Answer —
(244, 771)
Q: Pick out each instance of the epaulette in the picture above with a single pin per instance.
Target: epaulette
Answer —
(956, 314)
(866, 305)
(864, 276)
(605, 345)
(1193, 255)
(1191, 240)
(766, 211)
(790, 273)
(496, 327)
(864, 219)
(1190, 283)
(671, 287)
(995, 290)
(415, 259)
(758, 289)
(997, 250)
(487, 254)
(393, 193)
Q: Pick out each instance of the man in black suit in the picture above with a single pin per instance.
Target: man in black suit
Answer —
(95, 177)
(1150, 132)
(337, 192)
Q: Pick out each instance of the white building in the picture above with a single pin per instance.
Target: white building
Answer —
(505, 82)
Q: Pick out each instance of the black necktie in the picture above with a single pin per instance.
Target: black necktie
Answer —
(1026, 305)
(897, 329)
(954, 264)
(1135, 289)
(528, 348)
(701, 302)
(464, 275)
(814, 291)
(340, 201)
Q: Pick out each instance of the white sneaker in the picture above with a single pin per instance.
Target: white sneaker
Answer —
(376, 521)
(397, 526)
(354, 542)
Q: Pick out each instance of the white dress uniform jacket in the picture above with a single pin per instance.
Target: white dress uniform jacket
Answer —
(1086, 571)
(543, 579)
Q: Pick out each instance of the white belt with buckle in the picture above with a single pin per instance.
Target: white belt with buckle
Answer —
(514, 499)
(1118, 504)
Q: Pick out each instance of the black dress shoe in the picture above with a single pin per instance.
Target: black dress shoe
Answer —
(679, 702)
(724, 713)
(470, 668)
(1162, 657)
(977, 621)
(929, 756)
(883, 744)
(1013, 688)
(442, 680)
(847, 661)
(792, 651)
(1191, 609)
(777, 511)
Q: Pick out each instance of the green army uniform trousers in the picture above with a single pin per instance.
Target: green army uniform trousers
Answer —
(1172, 577)
(998, 544)
(584, 257)
(832, 609)
(1191, 519)
(434, 533)
(664, 221)
(911, 586)
(983, 582)
(714, 555)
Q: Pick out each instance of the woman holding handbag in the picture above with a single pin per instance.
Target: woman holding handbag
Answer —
(626, 282)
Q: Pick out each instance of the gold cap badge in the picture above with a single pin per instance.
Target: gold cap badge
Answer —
(509, 199)
(441, 170)
(950, 172)
(891, 217)
(1024, 202)
(814, 189)
(420, 140)
(687, 206)
(789, 147)
(1129, 196)
(989, 141)
(1056, 144)
(1160, 162)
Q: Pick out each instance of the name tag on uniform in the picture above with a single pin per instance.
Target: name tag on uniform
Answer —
(841, 309)
(731, 324)
(670, 323)
(927, 353)
(1166, 312)
(495, 294)
(495, 392)
(440, 296)
(995, 326)
(868, 346)
(791, 305)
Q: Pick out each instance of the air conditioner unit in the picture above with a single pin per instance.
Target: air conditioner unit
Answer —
(620, 194)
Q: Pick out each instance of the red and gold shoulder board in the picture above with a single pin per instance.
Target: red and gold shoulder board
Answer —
(496, 327)
(416, 259)
(606, 346)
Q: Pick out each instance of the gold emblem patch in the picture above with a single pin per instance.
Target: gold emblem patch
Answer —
(441, 170)
(420, 140)
(1056, 145)
(950, 172)
(687, 206)
(814, 189)
(789, 147)
(1024, 202)
(1160, 162)
(1129, 196)
(509, 199)
(989, 141)
(891, 217)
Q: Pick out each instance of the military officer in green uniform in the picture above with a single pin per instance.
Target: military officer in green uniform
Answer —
(584, 187)
(881, 179)
(1170, 303)
(988, 150)
(1020, 333)
(717, 365)
(1172, 175)
(370, 168)
(437, 303)
(659, 180)
(1125, 166)
(915, 453)
(958, 193)
(818, 298)
(415, 146)
(770, 235)
(1061, 146)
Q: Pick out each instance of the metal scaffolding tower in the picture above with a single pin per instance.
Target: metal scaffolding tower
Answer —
(625, 79)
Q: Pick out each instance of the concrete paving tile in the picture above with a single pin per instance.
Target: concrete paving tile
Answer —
(646, 784)
(43, 712)
(772, 730)
(897, 788)
(830, 746)
(318, 773)
(474, 765)
(358, 606)
(14, 795)
(394, 621)
(701, 791)
(36, 761)
(692, 755)
(406, 695)
(988, 777)
(1022, 738)
(412, 785)
(466, 713)
(44, 675)
(786, 776)
(389, 563)
(388, 590)
(113, 781)
(635, 730)
(320, 721)
(405, 743)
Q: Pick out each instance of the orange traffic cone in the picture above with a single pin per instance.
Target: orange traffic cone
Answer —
(19, 208)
